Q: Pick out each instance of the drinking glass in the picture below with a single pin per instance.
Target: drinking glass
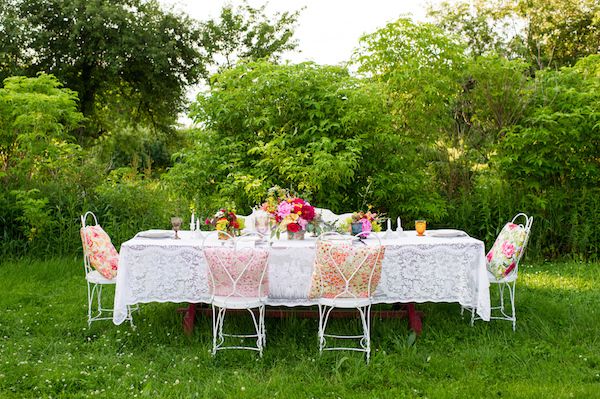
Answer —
(176, 223)
(262, 223)
(420, 226)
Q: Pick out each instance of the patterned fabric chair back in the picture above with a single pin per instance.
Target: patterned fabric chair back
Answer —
(98, 251)
(344, 270)
(504, 256)
(236, 271)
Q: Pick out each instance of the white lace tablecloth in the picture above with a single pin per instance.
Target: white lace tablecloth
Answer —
(415, 269)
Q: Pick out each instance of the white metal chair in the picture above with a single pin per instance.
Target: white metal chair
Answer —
(96, 281)
(347, 271)
(238, 280)
(508, 278)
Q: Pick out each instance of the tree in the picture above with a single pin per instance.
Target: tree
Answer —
(126, 58)
(312, 128)
(245, 33)
(37, 118)
(546, 33)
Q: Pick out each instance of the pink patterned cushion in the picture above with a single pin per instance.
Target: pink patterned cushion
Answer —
(504, 255)
(223, 260)
(100, 251)
(329, 281)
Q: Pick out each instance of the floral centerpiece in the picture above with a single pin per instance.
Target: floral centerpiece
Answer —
(362, 222)
(292, 214)
(225, 220)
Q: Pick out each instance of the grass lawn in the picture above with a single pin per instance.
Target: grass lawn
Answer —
(47, 350)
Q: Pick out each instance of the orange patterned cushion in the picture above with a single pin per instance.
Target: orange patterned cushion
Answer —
(100, 251)
(329, 281)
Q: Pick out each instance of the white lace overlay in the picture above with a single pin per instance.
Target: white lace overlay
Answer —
(423, 269)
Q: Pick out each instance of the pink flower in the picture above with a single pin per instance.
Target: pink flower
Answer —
(303, 223)
(366, 225)
(489, 256)
(284, 209)
(512, 226)
(508, 249)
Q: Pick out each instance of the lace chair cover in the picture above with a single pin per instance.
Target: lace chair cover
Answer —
(345, 271)
(237, 272)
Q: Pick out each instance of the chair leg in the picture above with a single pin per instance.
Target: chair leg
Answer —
(472, 316)
(501, 291)
(90, 295)
(365, 315)
(511, 291)
(258, 328)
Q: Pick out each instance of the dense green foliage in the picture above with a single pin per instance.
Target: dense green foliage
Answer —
(458, 122)
(47, 349)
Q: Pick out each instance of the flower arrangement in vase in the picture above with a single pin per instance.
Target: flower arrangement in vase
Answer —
(225, 220)
(292, 214)
(362, 222)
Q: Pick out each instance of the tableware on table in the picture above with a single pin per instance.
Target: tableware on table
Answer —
(446, 233)
(420, 227)
(176, 223)
(193, 222)
(155, 234)
(399, 226)
(262, 223)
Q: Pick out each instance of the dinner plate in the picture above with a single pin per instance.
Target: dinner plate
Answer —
(446, 233)
(156, 234)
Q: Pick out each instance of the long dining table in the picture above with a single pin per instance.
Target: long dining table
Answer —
(414, 270)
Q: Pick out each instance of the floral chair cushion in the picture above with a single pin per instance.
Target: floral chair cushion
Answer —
(329, 281)
(504, 254)
(100, 251)
(223, 260)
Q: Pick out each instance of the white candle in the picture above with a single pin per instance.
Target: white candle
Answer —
(198, 224)
(399, 227)
(389, 224)
(193, 219)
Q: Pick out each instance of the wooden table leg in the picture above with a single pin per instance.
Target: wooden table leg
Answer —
(189, 319)
(414, 318)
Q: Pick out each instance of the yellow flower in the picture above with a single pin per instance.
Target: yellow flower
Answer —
(222, 224)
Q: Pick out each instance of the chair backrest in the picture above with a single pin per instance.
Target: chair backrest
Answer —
(506, 253)
(234, 269)
(327, 216)
(98, 250)
(85, 239)
(346, 267)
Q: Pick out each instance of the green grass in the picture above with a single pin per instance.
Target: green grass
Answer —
(46, 349)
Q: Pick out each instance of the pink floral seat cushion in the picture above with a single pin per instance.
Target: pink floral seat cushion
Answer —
(100, 251)
(329, 281)
(246, 268)
(504, 254)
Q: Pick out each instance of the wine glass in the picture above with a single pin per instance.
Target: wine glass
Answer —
(262, 223)
(176, 223)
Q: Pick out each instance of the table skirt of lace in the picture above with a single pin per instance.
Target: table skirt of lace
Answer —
(432, 270)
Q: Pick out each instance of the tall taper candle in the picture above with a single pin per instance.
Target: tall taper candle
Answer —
(389, 224)
(399, 227)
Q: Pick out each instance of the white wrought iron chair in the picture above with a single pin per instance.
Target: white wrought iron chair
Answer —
(347, 272)
(507, 279)
(96, 281)
(238, 280)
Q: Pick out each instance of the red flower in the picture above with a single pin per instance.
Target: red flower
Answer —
(207, 221)
(308, 213)
(293, 227)
(235, 224)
